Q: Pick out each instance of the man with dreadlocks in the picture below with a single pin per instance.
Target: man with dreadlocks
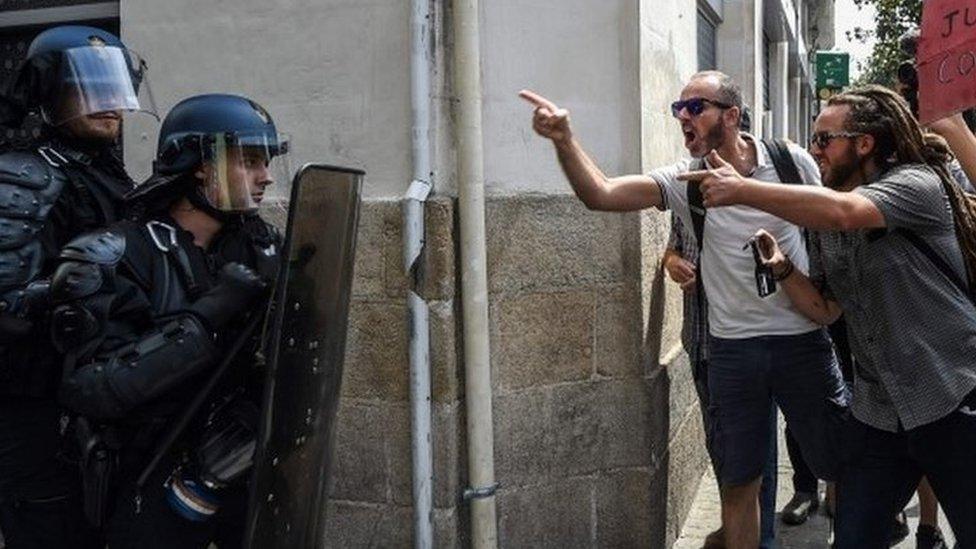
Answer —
(894, 247)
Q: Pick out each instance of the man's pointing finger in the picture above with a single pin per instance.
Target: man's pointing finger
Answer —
(694, 175)
(538, 100)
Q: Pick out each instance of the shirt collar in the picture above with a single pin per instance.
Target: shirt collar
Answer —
(762, 156)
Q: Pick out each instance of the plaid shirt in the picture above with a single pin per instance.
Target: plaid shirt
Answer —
(694, 330)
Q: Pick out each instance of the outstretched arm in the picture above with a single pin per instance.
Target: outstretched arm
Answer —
(805, 205)
(591, 185)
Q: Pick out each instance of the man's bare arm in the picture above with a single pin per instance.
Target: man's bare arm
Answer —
(591, 185)
(805, 205)
(798, 287)
(808, 299)
(813, 207)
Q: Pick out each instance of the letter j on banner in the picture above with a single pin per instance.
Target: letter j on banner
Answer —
(946, 59)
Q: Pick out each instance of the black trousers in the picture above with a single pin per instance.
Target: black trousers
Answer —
(54, 523)
(803, 478)
(40, 503)
(884, 470)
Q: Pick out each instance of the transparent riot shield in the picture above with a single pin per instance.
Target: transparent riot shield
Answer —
(292, 461)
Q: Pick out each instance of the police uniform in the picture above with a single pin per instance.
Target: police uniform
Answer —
(145, 317)
(141, 368)
(50, 192)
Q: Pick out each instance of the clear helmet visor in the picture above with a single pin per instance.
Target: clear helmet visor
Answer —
(96, 80)
(237, 169)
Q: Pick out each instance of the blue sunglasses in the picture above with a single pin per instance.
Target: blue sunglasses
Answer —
(695, 106)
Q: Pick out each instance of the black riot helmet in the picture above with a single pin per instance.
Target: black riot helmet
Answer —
(210, 146)
(72, 71)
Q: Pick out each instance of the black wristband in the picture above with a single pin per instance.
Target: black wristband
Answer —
(785, 274)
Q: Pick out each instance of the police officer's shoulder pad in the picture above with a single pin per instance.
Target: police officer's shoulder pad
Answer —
(103, 247)
(30, 170)
(29, 188)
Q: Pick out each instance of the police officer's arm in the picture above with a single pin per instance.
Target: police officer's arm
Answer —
(798, 287)
(103, 322)
(808, 206)
(591, 185)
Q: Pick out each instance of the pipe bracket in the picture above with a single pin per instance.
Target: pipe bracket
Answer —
(480, 493)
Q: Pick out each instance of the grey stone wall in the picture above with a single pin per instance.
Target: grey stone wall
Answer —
(370, 499)
(597, 444)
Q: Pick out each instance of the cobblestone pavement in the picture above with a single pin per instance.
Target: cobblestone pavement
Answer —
(704, 515)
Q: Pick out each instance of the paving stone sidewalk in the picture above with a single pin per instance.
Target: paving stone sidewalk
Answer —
(704, 515)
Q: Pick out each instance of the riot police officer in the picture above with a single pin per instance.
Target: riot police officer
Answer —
(148, 308)
(67, 181)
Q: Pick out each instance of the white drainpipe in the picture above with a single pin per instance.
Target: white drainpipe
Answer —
(474, 278)
(421, 61)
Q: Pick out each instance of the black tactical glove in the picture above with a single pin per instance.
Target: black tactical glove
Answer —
(21, 309)
(237, 289)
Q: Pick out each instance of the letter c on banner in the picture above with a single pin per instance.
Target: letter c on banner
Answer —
(972, 63)
(943, 65)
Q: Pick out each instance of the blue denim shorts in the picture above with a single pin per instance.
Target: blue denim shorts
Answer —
(801, 375)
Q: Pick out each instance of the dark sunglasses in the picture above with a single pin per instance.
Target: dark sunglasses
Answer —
(822, 139)
(695, 106)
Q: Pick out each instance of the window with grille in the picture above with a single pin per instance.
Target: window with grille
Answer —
(706, 42)
(765, 68)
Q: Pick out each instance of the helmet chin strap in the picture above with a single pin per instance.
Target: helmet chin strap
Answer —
(197, 199)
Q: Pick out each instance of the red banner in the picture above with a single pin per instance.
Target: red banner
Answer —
(946, 59)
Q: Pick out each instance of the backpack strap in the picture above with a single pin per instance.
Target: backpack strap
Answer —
(696, 208)
(937, 260)
(696, 205)
(779, 153)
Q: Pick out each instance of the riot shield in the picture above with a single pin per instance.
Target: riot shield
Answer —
(292, 461)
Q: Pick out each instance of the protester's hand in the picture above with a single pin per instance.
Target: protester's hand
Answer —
(548, 120)
(680, 270)
(720, 185)
(948, 125)
(770, 253)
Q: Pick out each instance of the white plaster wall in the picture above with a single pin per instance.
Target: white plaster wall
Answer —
(668, 58)
(333, 73)
(582, 54)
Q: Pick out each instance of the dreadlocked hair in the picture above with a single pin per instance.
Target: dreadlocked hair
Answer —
(885, 115)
